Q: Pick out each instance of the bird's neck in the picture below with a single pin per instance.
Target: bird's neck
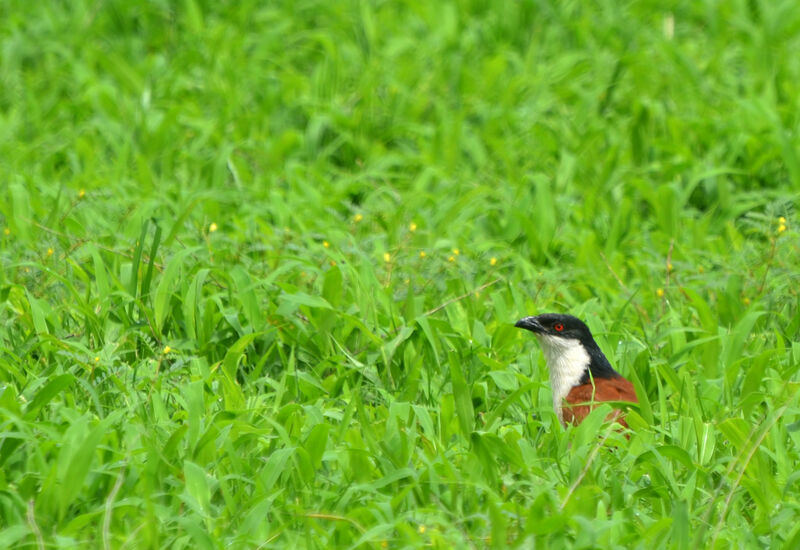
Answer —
(599, 366)
(568, 361)
(572, 363)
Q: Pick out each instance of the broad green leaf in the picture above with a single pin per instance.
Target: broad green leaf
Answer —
(462, 396)
(332, 286)
(148, 276)
(247, 297)
(191, 304)
(303, 299)
(21, 214)
(46, 393)
(38, 314)
(429, 335)
(10, 536)
(101, 276)
(316, 443)
(504, 379)
(137, 257)
(79, 453)
(234, 398)
(197, 485)
(680, 525)
(275, 466)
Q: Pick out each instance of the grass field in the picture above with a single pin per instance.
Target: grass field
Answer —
(261, 263)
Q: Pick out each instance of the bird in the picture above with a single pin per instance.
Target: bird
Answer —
(581, 377)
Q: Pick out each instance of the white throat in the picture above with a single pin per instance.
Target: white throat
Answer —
(567, 360)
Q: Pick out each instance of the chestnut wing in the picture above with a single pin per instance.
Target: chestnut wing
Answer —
(582, 399)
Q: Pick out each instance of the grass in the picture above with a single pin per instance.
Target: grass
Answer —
(261, 264)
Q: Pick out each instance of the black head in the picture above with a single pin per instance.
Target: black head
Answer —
(549, 326)
(557, 324)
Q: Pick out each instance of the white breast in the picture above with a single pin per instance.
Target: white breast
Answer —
(567, 360)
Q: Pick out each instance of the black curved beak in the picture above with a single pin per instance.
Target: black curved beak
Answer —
(530, 323)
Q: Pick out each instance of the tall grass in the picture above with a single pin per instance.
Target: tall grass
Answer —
(261, 264)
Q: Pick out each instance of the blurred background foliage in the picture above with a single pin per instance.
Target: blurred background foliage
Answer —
(261, 263)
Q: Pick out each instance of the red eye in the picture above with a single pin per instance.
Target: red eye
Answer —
(558, 327)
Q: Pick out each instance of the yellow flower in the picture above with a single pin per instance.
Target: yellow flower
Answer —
(781, 228)
(782, 220)
(96, 358)
(326, 244)
(493, 261)
(412, 227)
(451, 259)
(6, 231)
(660, 292)
(701, 270)
(357, 218)
(456, 251)
(746, 301)
(167, 349)
(421, 529)
(422, 254)
(669, 266)
(213, 227)
(81, 193)
(49, 251)
(387, 257)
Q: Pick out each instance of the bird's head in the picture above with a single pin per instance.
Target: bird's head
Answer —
(550, 326)
(567, 344)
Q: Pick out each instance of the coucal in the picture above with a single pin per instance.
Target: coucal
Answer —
(580, 374)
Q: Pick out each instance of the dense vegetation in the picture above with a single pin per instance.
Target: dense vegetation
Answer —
(261, 263)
